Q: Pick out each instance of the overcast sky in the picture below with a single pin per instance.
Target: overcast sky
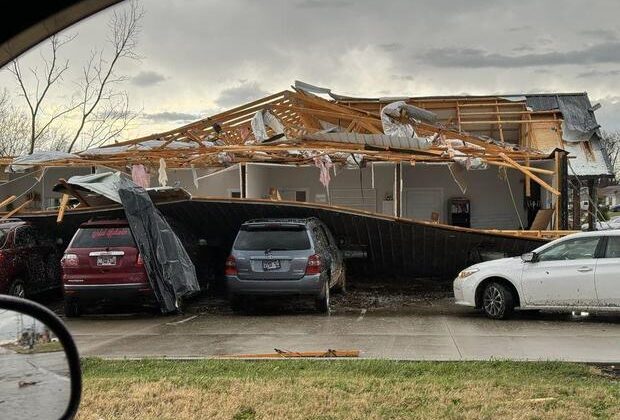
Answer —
(200, 57)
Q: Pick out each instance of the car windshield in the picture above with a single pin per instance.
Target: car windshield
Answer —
(107, 237)
(280, 238)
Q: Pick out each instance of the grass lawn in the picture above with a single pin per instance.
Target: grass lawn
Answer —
(38, 348)
(343, 389)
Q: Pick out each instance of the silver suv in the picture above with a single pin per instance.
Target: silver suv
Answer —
(285, 257)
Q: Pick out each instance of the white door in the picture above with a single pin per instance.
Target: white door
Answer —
(421, 203)
(607, 276)
(562, 275)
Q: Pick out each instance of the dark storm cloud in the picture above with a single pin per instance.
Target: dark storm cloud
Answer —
(147, 78)
(391, 46)
(608, 52)
(519, 28)
(171, 116)
(603, 34)
(324, 4)
(598, 73)
(237, 95)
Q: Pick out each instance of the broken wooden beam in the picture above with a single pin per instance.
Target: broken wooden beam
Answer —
(7, 201)
(63, 206)
(16, 210)
(278, 353)
(526, 171)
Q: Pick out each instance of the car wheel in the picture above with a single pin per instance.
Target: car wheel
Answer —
(17, 289)
(497, 301)
(322, 302)
(72, 309)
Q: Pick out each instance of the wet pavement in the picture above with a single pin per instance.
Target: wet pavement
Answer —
(392, 326)
(33, 385)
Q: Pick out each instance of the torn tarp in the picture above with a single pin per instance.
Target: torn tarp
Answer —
(106, 184)
(260, 122)
(171, 273)
(392, 114)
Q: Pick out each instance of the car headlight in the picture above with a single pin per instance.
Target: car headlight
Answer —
(467, 272)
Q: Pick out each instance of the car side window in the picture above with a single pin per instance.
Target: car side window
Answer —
(328, 237)
(320, 236)
(25, 237)
(574, 249)
(613, 247)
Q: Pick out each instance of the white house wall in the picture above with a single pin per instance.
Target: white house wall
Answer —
(18, 183)
(490, 200)
(260, 178)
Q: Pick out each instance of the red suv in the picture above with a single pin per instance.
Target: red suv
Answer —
(28, 260)
(102, 265)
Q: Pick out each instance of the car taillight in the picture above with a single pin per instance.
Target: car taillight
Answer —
(69, 260)
(314, 265)
(139, 260)
(231, 266)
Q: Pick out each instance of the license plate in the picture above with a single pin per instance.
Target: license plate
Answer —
(270, 265)
(105, 260)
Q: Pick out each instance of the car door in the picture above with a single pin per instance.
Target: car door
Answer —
(607, 273)
(562, 274)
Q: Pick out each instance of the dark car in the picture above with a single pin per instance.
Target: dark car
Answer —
(285, 257)
(29, 261)
(102, 265)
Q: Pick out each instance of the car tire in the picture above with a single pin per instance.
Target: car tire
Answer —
(322, 302)
(498, 301)
(17, 289)
(72, 310)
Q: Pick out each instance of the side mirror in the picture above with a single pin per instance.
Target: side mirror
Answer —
(40, 375)
(529, 257)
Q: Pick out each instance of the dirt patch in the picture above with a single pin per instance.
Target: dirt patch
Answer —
(419, 296)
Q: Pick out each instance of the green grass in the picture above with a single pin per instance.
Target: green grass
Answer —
(236, 389)
(38, 348)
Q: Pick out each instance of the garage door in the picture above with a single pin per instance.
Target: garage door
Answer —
(420, 203)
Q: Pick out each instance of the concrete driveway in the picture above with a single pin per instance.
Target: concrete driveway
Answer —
(434, 332)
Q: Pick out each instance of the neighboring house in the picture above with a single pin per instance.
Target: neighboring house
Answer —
(610, 195)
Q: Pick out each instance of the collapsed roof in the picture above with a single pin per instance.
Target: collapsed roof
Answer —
(295, 126)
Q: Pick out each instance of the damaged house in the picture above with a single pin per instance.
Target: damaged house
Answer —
(481, 169)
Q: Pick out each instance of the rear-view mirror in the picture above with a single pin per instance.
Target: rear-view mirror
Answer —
(40, 373)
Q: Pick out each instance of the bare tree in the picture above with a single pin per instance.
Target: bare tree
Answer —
(39, 118)
(98, 84)
(13, 127)
(102, 111)
(611, 147)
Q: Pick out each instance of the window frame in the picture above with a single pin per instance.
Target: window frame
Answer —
(598, 251)
(605, 240)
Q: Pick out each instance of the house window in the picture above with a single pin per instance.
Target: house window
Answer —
(294, 194)
(300, 196)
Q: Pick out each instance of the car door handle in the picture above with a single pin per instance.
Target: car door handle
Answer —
(584, 269)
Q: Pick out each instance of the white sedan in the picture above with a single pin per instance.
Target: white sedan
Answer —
(577, 272)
